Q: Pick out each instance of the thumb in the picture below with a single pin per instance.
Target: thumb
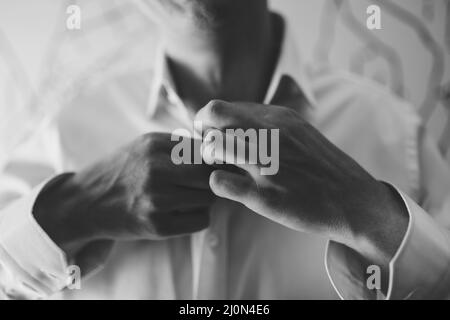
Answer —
(232, 186)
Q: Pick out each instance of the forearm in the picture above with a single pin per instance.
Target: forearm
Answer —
(33, 265)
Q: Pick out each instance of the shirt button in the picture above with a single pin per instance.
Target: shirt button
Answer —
(213, 240)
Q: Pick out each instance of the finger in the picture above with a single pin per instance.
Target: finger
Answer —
(226, 167)
(185, 166)
(183, 148)
(191, 198)
(219, 147)
(190, 175)
(221, 115)
(232, 186)
(181, 222)
(179, 145)
(176, 198)
(166, 171)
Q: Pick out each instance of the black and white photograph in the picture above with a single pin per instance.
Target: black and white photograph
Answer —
(240, 152)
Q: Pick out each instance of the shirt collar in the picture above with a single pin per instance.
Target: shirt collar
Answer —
(289, 64)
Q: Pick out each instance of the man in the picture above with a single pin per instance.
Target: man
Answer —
(97, 187)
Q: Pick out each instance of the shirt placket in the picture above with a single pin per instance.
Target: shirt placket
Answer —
(208, 247)
(211, 246)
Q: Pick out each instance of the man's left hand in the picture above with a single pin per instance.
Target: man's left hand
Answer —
(318, 188)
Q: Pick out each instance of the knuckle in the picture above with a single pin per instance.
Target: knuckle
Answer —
(216, 108)
(148, 138)
(156, 175)
(155, 201)
(152, 171)
(151, 185)
(154, 142)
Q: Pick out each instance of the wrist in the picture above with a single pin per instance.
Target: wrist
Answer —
(386, 222)
(57, 209)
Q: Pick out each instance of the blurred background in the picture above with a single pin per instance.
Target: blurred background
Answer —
(42, 63)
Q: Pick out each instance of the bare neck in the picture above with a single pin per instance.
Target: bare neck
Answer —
(230, 58)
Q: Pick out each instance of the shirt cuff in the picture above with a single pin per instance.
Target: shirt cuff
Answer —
(420, 269)
(27, 252)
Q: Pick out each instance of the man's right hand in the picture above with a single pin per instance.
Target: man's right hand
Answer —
(137, 193)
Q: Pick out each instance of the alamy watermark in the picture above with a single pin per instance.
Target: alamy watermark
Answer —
(373, 281)
(373, 21)
(231, 146)
(73, 21)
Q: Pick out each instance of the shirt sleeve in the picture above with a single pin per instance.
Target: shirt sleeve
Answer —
(31, 265)
(420, 269)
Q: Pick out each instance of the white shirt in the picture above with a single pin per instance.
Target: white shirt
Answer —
(241, 255)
